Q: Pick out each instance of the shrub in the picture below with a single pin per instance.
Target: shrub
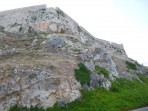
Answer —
(52, 67)
(1, 28)
(82, 74)
(20, 29)
(131, 65)
(59, 12)
(102, 70)
(79, 28)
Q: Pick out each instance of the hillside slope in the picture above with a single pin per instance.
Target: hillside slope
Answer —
(40, 49)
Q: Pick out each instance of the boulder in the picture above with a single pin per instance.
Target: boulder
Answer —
(90, 65)
(55, 42)
(98, 80)
(34, 42)
(125, 75)
(2, 35)
(53, 27)
(107, 58)
(89, 54)
(99, 51)
(94, 81)
(97, 57)
(142, 70)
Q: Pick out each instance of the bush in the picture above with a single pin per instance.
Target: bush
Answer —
(20, 29)
(1, 28)
(131, 65)
(102, 70)
(82, 74)
(52, 67)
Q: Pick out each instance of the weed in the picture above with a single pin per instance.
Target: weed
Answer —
(102, 70)
(20, 29)
(52, 67)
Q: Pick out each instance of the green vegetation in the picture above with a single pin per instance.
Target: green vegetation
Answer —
(138, 64)
(9, 56)
(79, 28)
(52, 67)
(123, 95)
(19, 108)
(77, 50)
(131, 65)
(1, 28)
(134, 61)
(82, 74)
(20, 29)
(74, 40)
(102, 70)
(42, 35)
(39, 41)
(59, 12)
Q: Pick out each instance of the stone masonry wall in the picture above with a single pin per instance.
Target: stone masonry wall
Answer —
(7, 17)
(114, 48)
(36, 19)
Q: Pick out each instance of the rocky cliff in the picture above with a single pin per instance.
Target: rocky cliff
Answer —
(39, 49)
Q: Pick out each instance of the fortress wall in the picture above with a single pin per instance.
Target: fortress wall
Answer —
(20, 10)
(50, 19)
(10, 19)
(24, 17)
(9, 16)
(119, 46)
(114, 48)
(108, 44)
(103, 42)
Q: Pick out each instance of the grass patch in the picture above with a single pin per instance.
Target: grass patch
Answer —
(128, 95)
(3, 57)
(76, 50)
(131, 65)
(82, 74)
(39, 41)
(52, 67)
(102, 70)
(19, 108)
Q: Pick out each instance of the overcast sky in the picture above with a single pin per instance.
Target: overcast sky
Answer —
(120, 21)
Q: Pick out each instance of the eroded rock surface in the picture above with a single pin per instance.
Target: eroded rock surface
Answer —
(39, 49)
(32, 85)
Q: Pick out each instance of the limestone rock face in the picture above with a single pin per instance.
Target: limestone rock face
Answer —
(2, 35)
(39, 49)
(29, 85)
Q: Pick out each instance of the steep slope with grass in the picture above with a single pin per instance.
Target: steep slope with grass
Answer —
(123, 95)
(47, 59)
